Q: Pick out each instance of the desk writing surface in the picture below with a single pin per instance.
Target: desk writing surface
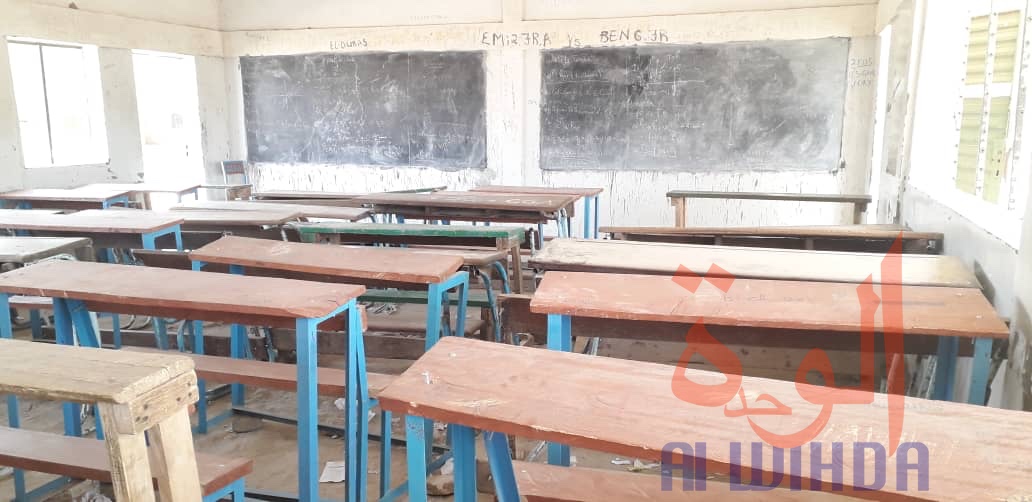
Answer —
(304, 210)
(300, 194)
(546, 203)
(419, 230)
(92, 221)
(181, 290)
(800, 197)
(583, 192)
(817, 306)
(627, 408)
(84, 375)
(357, 262)
(177, 188)
(83, 194)
(815, 231)
(743, 262)
(218, 218)
(29, 249)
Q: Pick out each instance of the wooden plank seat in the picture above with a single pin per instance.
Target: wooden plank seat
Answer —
(86, 458)
(628, 257)
(595, 404)
(678, 199)
(550, 483)
(856, 238)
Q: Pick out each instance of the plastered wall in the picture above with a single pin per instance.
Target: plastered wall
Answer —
(513, 37)
(117, 27)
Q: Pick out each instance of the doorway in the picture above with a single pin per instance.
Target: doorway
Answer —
(170, 124)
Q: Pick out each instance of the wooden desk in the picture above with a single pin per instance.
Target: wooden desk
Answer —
(144, 190)
(627, 408)
(134, 393)
(22, 250)
(80, 287)
(745, 263)
(503, 238)
(66, 199)
(106, 228)
(827, 307)
(233, 192)
(303, 210)
(370, 266)
(590, 196)
(854, 238)
(301, 195)
(475, 206)
(678, 198)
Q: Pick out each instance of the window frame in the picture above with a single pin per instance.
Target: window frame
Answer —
(1003, 218)
(99, 153)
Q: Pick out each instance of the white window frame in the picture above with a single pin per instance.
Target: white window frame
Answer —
(100, 154)
(1003, 218)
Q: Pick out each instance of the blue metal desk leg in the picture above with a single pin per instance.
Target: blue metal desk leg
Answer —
(307, 412)
(501, 467)
(587, 217)
(357, 408)
(945, 368)
(64, 336)
(596, 216)
(464, 453)
(560, 337)
(980, 371)
(415, 444)
(237, 346)
(202, 386)
(13, 417)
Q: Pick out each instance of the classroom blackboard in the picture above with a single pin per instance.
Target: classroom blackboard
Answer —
(384, 109)
(771, 105)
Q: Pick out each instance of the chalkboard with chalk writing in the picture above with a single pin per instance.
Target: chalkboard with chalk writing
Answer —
(770, 105)
(385, 109)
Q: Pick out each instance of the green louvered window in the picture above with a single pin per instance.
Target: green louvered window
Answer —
(983, 151)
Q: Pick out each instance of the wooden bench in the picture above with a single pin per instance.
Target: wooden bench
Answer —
(655, 258)
(857, 238)
(590, 196)
(122, 229)
(502, 238)
(678, 199)
(73, 199)
(23, 250)
(538, 209)
(143, 191)
(84, 458)
(81, 287)
(134, 393)
(827, 308)
(627, 408)
(303, 210)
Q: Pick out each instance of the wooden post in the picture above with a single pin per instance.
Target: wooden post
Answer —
(680, 214)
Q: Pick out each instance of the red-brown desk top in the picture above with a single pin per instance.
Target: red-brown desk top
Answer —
(757, 263)
(816, 231)
(349, 262)
(220, 219)
(627, 408)
(91, 221)
(123, 287)
(818, 306)
(83, 194)
(305, 210)
(545, 203)
(177, 188)
(583, 192)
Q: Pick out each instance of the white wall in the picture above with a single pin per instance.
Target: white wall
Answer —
(117, 27)
(513, 89)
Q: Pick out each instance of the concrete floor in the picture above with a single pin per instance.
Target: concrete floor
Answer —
(273, 445)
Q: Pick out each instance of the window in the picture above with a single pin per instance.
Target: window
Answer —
(990, 168)
(58, 100)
